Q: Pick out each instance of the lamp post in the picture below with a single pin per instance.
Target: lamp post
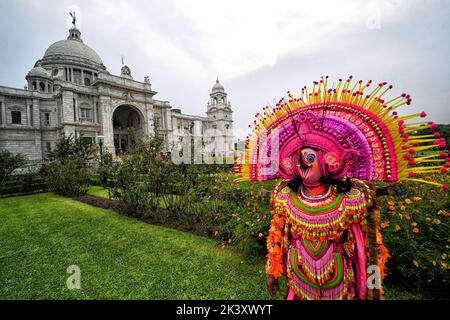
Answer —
(100, 142)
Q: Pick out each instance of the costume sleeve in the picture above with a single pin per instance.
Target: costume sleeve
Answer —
(276, 240)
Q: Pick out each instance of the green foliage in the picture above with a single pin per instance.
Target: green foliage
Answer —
(9, 162)
(416, 230)
(136, 179)
(68, 147)
(24, 183)
(106, 170)
(69, 178)
(67, 173)
(247, 214)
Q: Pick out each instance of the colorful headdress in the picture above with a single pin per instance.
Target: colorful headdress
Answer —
(359, 134)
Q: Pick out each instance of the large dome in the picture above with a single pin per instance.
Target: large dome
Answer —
(74, 49)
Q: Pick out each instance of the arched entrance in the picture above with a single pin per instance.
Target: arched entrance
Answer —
(127, 123)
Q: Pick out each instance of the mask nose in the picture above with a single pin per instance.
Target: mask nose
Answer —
(303, 163)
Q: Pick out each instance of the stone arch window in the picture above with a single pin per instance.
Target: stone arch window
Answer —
(215, 100)
(48, 88)
(34, 85)
(42, 86)
(87, 82)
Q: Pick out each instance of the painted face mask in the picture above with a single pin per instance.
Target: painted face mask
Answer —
(308, 167)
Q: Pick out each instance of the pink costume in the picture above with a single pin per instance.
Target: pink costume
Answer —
(325, 147)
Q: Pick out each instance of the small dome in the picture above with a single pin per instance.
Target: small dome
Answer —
(218, 87)
(39, 72)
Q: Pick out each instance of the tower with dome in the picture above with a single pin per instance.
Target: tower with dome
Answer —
(71, 91)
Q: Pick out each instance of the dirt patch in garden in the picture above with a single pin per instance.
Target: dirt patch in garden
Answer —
(102, 203)
(196, 227)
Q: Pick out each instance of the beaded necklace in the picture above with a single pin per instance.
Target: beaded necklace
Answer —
(326, 218)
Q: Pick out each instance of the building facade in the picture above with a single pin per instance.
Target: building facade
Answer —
(70, 91)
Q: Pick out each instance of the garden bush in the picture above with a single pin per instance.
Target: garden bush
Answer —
(70, 178)
(9, 163)
(24, 183)
(416, 230)
(67, 164)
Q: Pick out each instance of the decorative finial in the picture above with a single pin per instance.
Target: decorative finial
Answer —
(74, 18)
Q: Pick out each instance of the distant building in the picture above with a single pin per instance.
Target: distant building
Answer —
(70, 91)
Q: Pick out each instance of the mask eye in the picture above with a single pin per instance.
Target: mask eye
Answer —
(310, 158)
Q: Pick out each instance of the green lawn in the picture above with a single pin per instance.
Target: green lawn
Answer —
(98, 191)
(119, 257)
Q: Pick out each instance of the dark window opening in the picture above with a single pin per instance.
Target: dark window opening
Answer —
(42, 86)
(47, 118)
(16, 117)
(87, 82)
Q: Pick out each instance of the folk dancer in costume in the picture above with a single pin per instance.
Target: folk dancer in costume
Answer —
(326, 147)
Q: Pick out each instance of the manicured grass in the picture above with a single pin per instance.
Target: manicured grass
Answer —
(119, 257)
(98, 191)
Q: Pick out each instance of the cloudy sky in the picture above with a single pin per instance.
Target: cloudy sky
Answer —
(258, 49)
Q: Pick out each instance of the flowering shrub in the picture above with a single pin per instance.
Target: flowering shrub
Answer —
(416, 230)
(248, 218)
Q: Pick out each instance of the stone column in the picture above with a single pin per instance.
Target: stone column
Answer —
(107, 126)
(36, 114)
(94, 108)
(3, 112)
(67, 108)
(149, 111)
(27, 110)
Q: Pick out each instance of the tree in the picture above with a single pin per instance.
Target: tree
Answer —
(9, 162)
(69, 147)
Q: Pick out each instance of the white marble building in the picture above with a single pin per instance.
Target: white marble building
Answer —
(70, 91)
